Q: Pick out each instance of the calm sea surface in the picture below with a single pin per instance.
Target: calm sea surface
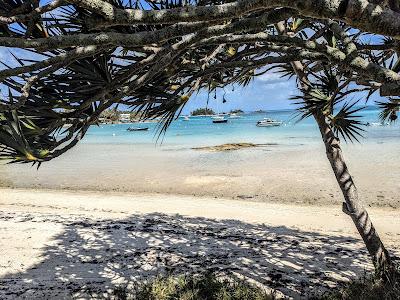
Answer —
(201, 131)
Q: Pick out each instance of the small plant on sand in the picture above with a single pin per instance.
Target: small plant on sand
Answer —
(369, 287)
(194, 287)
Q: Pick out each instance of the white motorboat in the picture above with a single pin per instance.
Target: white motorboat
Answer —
(219, 119)
(234, 116)
(137, 129)
(376, 124)
(186, 118)
(267, 122)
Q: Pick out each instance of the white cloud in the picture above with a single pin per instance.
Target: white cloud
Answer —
(276, 85)
(271, 78)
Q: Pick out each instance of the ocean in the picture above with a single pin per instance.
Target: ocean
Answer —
(200, 131)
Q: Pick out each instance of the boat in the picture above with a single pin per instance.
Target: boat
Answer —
(234, 116)
(137, 128)
(186, 118)
(267, 122)
(376, 124)
(218, 119)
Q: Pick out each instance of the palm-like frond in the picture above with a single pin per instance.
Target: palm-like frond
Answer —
(21, 139)
(389, 110)
(246, 78)
(346, 122)
(285, 70)
(310, 102)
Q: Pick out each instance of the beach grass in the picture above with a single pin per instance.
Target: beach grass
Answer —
(193, 287)
(210, 286)
(367, 287)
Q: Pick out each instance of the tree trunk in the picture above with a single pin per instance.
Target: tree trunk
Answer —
(352, 205)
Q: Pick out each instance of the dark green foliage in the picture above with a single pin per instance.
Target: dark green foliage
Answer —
(236, 111)
(202, 111)
(21, 135)
(324, 96)
(312, 101)
(390, 110)
(346, 124)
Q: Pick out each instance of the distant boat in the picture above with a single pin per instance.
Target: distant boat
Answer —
(186, 118)
(218, 119)
(234, 116)
(376, 124)
(137, 128)
(267, 122)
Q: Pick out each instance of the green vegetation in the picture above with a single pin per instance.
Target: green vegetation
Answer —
(202, 111)
(110, 115)
(367, 288)
(197, 287)
(236, 111)
(210, 287)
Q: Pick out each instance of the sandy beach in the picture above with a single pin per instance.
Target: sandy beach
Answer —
(73, 243)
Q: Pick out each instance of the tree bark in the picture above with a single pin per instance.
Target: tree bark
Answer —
(352, 205)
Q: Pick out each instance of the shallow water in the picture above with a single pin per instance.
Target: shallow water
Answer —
(293, 169)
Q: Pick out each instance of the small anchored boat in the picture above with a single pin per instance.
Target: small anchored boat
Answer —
(376, 124)
(234, 116)
(218, 119)
(267, 122)
(137, 128)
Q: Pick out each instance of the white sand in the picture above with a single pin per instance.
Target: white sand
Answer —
(53, 243)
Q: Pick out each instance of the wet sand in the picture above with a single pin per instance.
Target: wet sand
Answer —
(55, 244)
(281, 173)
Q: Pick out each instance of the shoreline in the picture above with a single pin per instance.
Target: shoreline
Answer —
(66, 240)
(188, 205)
(239, 198)
(272, 173)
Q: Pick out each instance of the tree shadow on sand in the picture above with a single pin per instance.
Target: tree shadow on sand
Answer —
(101, 254)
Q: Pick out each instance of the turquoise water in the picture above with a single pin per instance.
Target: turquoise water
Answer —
(201, 131)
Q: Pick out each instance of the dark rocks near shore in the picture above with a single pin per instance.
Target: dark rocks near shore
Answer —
(232, 146)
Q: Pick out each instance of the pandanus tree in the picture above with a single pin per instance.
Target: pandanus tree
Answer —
(75, 59)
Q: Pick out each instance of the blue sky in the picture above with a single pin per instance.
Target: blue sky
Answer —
(266, 92)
